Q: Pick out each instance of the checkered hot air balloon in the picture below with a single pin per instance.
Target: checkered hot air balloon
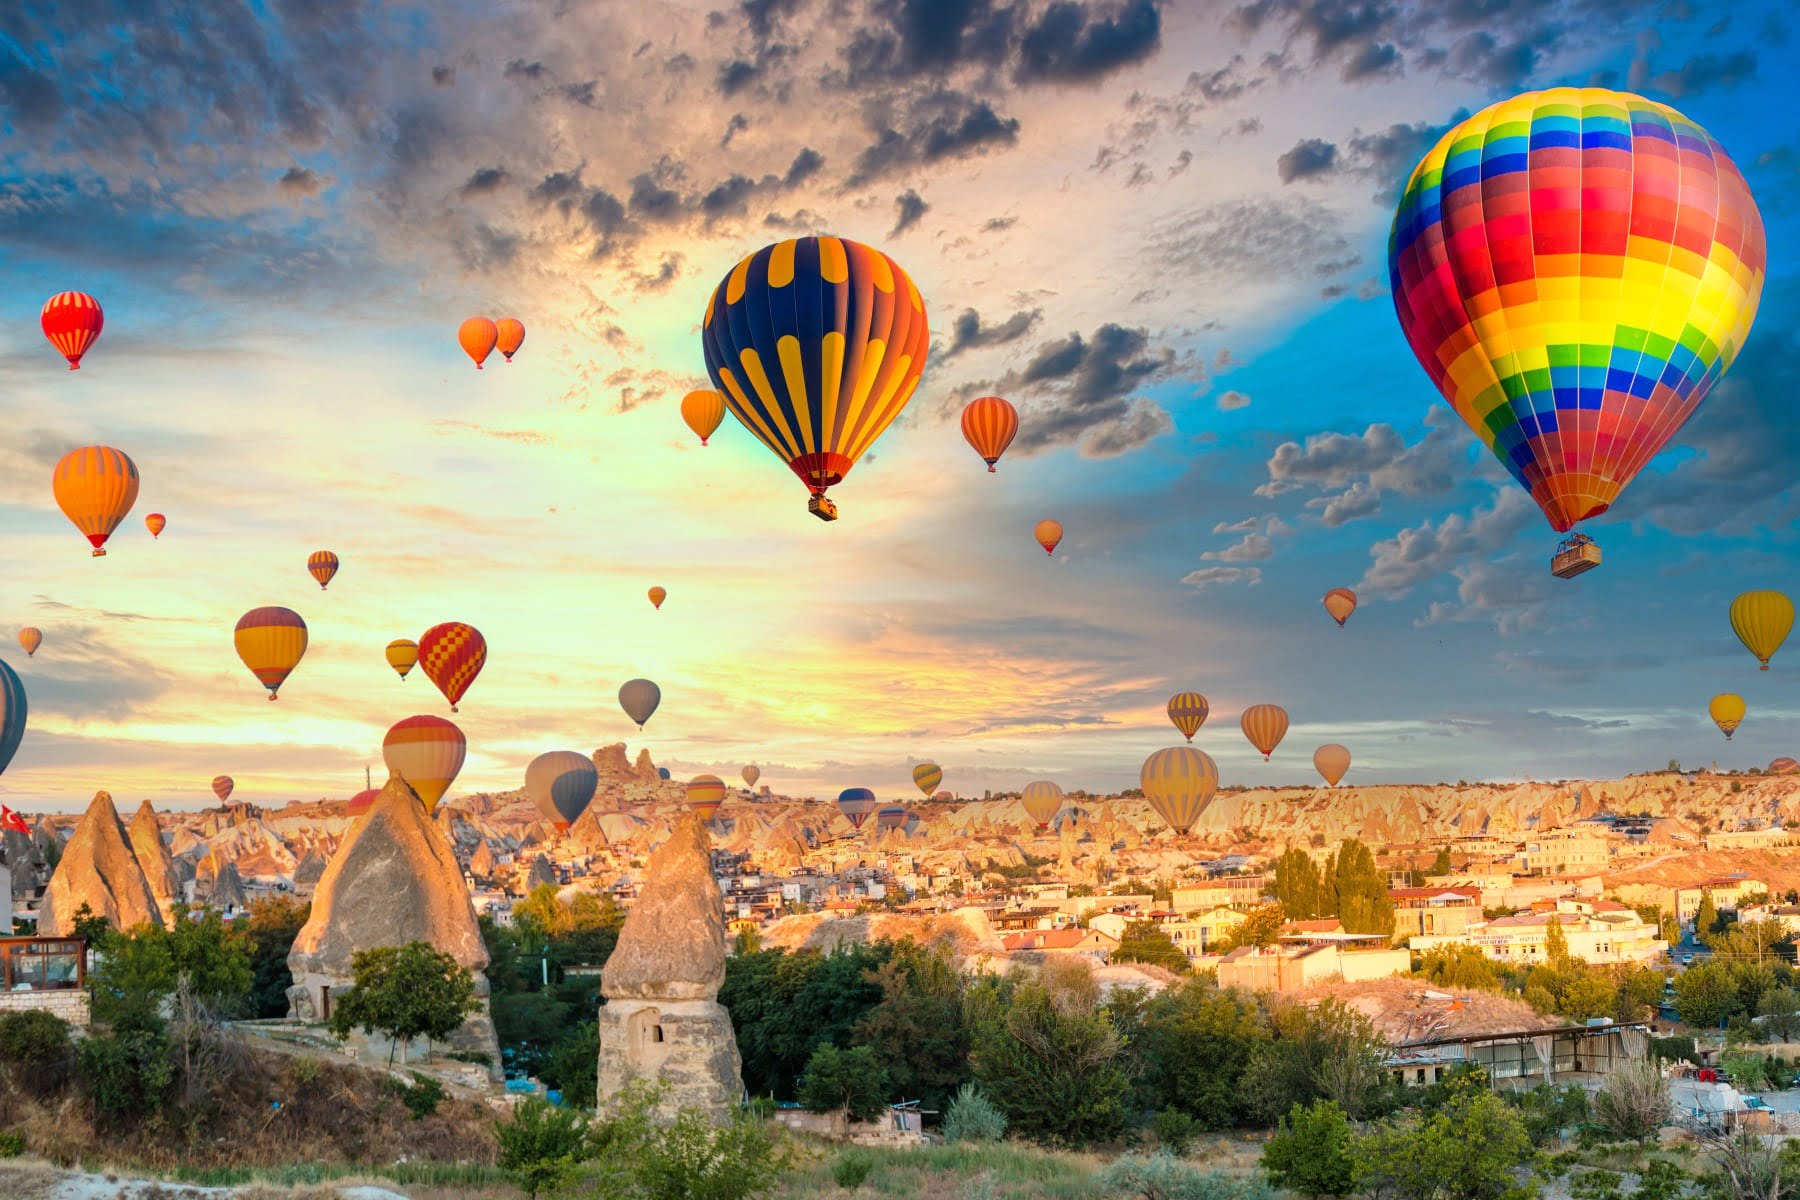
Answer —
(452, 655)
(1574, 269)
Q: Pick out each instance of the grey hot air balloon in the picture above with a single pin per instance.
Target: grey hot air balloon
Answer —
(561, 783)
(639, 698)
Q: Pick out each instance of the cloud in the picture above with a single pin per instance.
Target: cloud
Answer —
(968, 333)
(910, 210)
(926, 129)
(1271, 237)
(300, 182)
(1255, 547)
(1232, 400)
(1309, 159)
(1704, 72)
(1359, 468)
(1414, 556)
(485, 181)
(1207, 577)
(1509, 591)
(1070, 43)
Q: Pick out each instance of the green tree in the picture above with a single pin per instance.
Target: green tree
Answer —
(852, 1080)
(1441, 864)
(1706, 995)
(1145, 942)
(541, 1144)
(572, 1066)
(785, 1003)
(1633, 1102)
(139, 970)
(1469, 1148)
(268, 929)
(1261, 926)
(1356, 891)
(404, 992)
(1312, 1152)
(1297, 884)
(1459, 966)
(917, 1030)
(1326, 1051)
(1056, 1065)
(1640, 994)
(1195, 1043)
(1556, 943)
(1780, 1010)
(1706, 919)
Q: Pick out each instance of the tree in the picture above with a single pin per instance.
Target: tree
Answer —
(1312, 1152)
(1319, 1052)
(1469, 1148)
(1459, 966)
(268, 930)
(541, 1144)
(1706, 995)
(783, 1004)
(1261, 926)
(1441, 864)
(917, 1030)
(1706, 918)
(1054, 1064)
(404, 992)
(1633, 1102)
(1195, 1043)
(1356, 891)
(852, 1080)
(1780, 1010)
(141, 969)
(1556, 943)
(1297, 884)
(1145, 942)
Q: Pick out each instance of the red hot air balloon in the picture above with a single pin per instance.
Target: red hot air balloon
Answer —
(452, 655)
(72, 321)
(989, 424)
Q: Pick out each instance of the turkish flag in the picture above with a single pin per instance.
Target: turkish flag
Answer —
(12, 820)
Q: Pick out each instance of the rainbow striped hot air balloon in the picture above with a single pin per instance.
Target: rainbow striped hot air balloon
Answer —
(856, 804)
(322, 565)
(1179, 783)
(95, 487)
(704, 795)
(1187, 710)
(271, 641)
(13, 712)
(428, 753)
(816, 344)
(1575, 268)
(452, 654)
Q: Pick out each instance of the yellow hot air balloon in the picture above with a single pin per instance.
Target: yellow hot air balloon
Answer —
(30, 638)
(402, 654)
(703, 410)
(1188, 711)
(1727, 709)
(1340, 603)
(928, 775)
(428, 753)
(1762, 621)
(704, 795)
(271, 641)
(1042, 800)
(1265, 725)
(1331, 760)
(95, 487)
(1048, 534)
(1179, 783)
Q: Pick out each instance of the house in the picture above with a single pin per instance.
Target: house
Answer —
(1748, 839)
(1294, 966)
(1787, 915)
(1600, 931)
(1434, 910)
(1088, 943)
(1209, 895)
(1564, 854)
(1727, 893)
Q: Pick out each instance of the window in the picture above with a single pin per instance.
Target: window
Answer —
(38, 964)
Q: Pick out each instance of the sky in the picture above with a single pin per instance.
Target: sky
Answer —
(1158, 228)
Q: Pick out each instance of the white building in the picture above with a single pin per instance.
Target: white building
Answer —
(1600, 931)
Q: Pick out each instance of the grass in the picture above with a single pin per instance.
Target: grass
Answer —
(1008, 1171)
(424, 1174)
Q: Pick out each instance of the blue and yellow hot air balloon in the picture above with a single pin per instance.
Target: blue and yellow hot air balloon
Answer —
(816, 344)
(856, 804)
(13, 710)
(1575, 268)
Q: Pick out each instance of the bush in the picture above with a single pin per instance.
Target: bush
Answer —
(126, 1074)
(1548, 1111)
(848, 1079)
(850, 1170)
(1312, 1152)
(423, 1097)
(693, 1159)
(1165, 1177)
(541, 1144)
(12, 1143)
(1673, 1049)
(972, 1117)
(1175, 1130)
(1633, 1103)
(36, 1049)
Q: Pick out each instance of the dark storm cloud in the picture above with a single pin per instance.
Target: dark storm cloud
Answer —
(443, 77)
(1704, 72)
(939, 125)
(1352, 34)
(806, 164)
(1309, 159)
(1070, 41)
(910, 209)
(918, 37)
(484, 181)
(653, 202)
(968, 333)
(561, 188)
(29, 98)
(300, 181)
(738, 123)
(737, 75)
(731, 198)
(764, 16)
(518, 68)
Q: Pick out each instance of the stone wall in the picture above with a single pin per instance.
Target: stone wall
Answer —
(71, 1004)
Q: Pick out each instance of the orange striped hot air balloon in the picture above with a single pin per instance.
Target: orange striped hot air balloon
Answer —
(428, 753)
(1340, 603)
(402, 653)
(95, 487)
(271, 641)
(1265, 725)
(1782, 766)
(1188, 711)
(657, 596)
(452, 654)
(509, 335)
(222, 786)
(1179, 783)
(1048, 534)
(1042, 800)
(156, 523)
(322, 565)
(1331, 761)
(704, 795)
(72, 321)
(478, 336)
(30, 638)
(703, 411)
(989, 424)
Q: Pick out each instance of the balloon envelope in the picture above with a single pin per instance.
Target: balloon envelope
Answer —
(1265, 725)
(989, 424)
(817, 343)
(30, 638)
(361, 802)
(1727, 711)
(1762, 621)
(1042, 800)
(509, 335)
(856, 804)
(657, 596)
(221, 786)
(704, 795)
(95, 487)
(639, 698)
(452, 655)
(1340, 603)
(402, 653)
(72, 321)
(271, 641)
(890, 816)
(1188, 712)
(478, 336)
(13, 711)
(428, 753)
(1782, 766)
(1048, 534)
(703, 411)
(1331, 760)
(156, 523)
(928, 776)
(322, 565)
(751, 774)
(1179, 783)
(1574, 269)
(561, 783)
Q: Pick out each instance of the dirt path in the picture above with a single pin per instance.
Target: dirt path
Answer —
(30, 1180)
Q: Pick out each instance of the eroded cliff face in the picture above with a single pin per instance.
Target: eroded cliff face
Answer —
(98, 869)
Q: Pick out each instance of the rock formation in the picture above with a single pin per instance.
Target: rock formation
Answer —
(662, 1019)
(308, 873)
(153, 856)
(645, 767)
(481, 863)
(227, 893)
(393, 880)
(540, 874)
(98, 869)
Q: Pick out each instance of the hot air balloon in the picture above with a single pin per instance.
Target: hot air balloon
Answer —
(478, 336)
(1331, 761)
(662, 773)
(703, 411)
(1574, 269)
(817, 344)
(271, 641)
(890, 816)
(13, 711)
(943, 797)
(704, 795)
(1762, 621)
(751, 774)
(1188, 711)
(1048, 534)
(402, 653)
(72, 321)
(856, 804)
(1340, 603)
(428, 753)
(657, 596)
(1179, 783)
(989, 424)
(1782, 766)
(222, 786)
(1265, 725)
(561, 783)
(452, 655)
(928, 776)
(1042, 800)
(509, 335)
(322, 565)
(156, 523)
(95, 487)
(362, 802)
(639, 698)
(30, 638)
(1727, 710)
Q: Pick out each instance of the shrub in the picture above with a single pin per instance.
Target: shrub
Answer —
(693, 1159)
(12, 1143)
(848, 1079)
(541, 1144)
(125, 1074)
(35, 1047)
(423, 1096)
(480, 1058)
(850, 1170)
(1312, 1152)
(1633, 1103)
(1175, 1130)
(972, 1117)
(1165, 1177)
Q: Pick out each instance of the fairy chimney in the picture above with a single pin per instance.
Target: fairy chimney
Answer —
(153, 856)
(99, 869)
(393, 880)
(662, 1019)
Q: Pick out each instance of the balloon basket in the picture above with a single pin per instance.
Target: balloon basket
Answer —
(99, 554)
(1575, 556)
(822, 508)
